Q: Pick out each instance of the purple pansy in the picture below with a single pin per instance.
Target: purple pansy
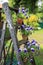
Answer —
(19, 50)
(28, 43)
(32, 49)
(31, 28)
(38, 46)
(18, 63)
(31, 60)
(25, 50)
(25, 14)
(27, 28)
(33, 42)
(28, 47)
(23, 10)
(23, 26)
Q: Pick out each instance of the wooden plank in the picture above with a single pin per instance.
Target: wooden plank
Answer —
(12, 31)
(2, 38)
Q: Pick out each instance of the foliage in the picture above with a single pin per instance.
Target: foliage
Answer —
(39, 15)
(7, 34)
(33, 18)
(3, 17)
(33, 21)
(31, 4)
(14, 17)
(20, 15)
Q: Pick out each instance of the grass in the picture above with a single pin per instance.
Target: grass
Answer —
(38, 36)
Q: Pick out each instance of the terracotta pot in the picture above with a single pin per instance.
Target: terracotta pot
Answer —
(19, 21)
(25, 37)
(0, 5)
(1, 25)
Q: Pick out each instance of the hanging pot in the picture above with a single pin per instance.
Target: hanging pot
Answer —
(19, 21)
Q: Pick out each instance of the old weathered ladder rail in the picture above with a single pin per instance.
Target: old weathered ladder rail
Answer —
(12, 31)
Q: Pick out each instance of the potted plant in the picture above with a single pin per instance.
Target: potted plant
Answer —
(24, 34)
(25, 31)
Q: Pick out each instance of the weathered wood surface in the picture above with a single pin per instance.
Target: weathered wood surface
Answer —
(12, 31)
(2, 38)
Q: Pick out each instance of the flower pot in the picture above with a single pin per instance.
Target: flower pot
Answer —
(19, 21)
(25, 37)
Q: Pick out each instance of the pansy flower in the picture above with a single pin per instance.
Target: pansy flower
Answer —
(25, 50)
(23, 26)
(18, 63)
(32, 49)
(31, 60)
(19, 50)
(33, 42)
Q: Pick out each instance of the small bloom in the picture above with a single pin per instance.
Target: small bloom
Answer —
(33, 42)
(31, 28)
(23, 10)
(31, 60)
(28, 47)
(19, 50)
(28, 43)
(25, 14)
(18, 63)
(25, 50)
(38, 46)
(23, 26)
(32, 49)
(27, 28)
